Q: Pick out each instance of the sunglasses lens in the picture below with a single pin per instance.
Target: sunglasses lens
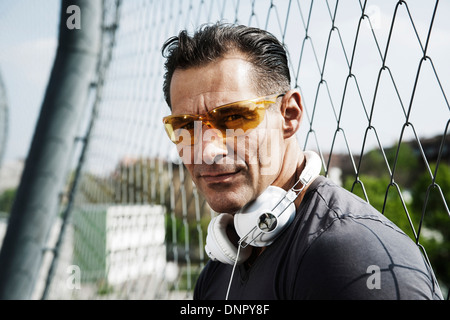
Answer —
(239, 117)
(243, 116)
(180, 129)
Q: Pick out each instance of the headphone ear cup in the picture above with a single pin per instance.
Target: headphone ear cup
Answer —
(218, 246)
(273, 202)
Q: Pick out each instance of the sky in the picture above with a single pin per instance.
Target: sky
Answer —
(28, 40)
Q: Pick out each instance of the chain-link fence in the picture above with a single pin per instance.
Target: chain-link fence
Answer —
(373, 79)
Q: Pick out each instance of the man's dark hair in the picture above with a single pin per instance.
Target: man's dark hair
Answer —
(212, 41)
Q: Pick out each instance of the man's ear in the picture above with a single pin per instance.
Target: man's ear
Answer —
(292, 112)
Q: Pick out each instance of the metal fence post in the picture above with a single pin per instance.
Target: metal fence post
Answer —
(37, 200)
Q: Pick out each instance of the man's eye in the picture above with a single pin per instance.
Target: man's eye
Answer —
(188, 126)
(233, 117)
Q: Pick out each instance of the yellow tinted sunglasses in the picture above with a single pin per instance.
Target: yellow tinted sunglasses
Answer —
(244, 115)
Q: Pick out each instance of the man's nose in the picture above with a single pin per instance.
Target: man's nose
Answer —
(213, 146)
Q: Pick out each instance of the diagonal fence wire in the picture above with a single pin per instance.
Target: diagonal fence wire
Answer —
(372, 84)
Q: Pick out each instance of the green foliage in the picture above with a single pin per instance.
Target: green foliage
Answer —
(194, 230)
(406, 164)
(428, 198)
(7, 200)
(384, 197)
(399, 159)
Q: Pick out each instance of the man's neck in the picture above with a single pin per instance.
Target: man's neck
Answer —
(292, 165)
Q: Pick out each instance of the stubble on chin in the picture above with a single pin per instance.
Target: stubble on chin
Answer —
(226, 199)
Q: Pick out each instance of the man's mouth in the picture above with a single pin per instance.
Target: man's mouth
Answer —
(219, 177)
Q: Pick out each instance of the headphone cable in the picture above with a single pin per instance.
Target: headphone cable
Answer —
(232, 271)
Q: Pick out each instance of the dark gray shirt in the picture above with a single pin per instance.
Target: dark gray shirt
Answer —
(337, 247)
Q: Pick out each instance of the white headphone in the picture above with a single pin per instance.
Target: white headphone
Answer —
(259, 222)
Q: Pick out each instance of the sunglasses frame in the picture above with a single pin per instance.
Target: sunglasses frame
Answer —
(207, 117)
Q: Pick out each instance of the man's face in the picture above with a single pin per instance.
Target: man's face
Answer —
(233, 171)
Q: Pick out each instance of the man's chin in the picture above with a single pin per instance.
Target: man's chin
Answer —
(224, 205)
(224, 198)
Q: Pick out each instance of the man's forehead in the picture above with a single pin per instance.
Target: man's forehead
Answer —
(203, 88)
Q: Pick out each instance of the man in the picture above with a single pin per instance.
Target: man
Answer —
(234, 120)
